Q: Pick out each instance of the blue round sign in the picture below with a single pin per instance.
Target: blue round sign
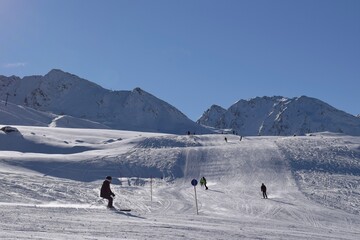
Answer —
(194, 182)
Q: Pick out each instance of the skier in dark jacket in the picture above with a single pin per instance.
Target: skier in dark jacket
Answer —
(263, 189)
(106, 192)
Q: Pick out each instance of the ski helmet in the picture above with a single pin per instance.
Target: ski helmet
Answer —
(109, 178)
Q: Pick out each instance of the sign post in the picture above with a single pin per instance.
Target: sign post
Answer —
(151, 188)
(194, 183)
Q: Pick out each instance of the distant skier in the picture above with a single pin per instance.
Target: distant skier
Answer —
(203, 182)
(263, 189)
(106, 192)
(225, 139)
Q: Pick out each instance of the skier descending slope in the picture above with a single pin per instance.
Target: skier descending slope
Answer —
(106, 192)
(203, 182)
(263, 189)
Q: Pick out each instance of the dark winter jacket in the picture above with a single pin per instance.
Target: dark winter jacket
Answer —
(105, 191)
(263, 188)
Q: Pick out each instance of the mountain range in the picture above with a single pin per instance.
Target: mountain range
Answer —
(77, 102)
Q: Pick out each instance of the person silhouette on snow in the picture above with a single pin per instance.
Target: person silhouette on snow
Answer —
(203, 182)
(263, 189)
(106, 192)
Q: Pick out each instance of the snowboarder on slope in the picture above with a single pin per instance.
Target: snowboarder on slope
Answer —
(263, 189)
(106, 192)
(203, 182)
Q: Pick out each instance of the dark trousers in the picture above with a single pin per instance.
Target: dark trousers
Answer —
(110, 201)
(264, 195)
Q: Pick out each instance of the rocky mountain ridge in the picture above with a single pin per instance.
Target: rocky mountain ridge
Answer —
(281, 116)
(63, 93)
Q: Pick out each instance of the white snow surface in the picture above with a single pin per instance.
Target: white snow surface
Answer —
(50, 181)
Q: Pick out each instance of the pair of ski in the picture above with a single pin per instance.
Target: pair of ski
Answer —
(120, 209)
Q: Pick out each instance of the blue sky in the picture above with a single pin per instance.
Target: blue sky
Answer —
(191, 53)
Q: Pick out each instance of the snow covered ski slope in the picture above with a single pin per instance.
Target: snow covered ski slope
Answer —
(50, 180)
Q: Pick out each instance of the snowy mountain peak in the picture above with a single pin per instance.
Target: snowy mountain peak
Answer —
(217, 109)
(138, 90)
(214, 106)
(54, 72)
(57, 75)
(63, 93)
(213, 116)
(64, 78)
(279, 115)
